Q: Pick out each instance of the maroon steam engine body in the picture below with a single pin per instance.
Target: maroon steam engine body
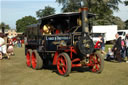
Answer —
(62, 40)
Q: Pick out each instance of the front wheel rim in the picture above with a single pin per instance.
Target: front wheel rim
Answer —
(95, 62)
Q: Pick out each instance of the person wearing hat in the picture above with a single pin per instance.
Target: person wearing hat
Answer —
(10, 49)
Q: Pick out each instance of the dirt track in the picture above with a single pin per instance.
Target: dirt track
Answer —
(15, 72)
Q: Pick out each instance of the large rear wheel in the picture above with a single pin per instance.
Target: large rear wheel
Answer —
(97, 62)
(28, 57)
(64, 64)
(37, 61)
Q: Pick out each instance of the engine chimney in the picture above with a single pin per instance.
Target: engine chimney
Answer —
(84, 19)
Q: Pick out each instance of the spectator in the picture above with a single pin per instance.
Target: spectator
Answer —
(22, 42)
(15, 43)
(98, 43)
(10, 49)
(19, 43)
(110, 54)
(123, 49)
(117, 48)
(126, 41)
(3, 46)
(102, 44)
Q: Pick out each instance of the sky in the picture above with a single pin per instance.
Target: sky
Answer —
(12, 10)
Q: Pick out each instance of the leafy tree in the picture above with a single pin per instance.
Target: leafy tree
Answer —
(126, 22)
(45, 12)
(110, 20)
(23, 22)
(91, 4)
(126, 2)
(2, 24)
(118, 21)
(103, 8)
(7, 27)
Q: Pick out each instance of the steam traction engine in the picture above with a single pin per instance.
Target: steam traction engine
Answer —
(62, 40)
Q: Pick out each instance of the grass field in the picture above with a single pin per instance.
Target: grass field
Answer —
(107, 46)
(15, 72)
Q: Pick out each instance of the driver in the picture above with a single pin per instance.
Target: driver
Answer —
(47, 29)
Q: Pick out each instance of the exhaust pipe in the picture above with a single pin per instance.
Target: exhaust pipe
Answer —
(84, 18)
(85, 44)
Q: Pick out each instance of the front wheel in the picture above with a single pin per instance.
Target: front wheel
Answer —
(97, 62)
(64, 64)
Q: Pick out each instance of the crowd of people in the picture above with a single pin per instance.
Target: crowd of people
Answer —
(119, 50)
(7, 46)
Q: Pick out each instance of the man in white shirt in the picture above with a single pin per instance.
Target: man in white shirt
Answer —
(3, 46)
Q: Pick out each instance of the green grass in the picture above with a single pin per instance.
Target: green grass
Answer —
(108, 46)
(15, 72)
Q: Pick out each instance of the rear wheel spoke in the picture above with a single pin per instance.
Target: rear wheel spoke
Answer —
(63, 62)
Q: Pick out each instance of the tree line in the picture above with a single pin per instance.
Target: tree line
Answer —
(6, 26)
(102, 8)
